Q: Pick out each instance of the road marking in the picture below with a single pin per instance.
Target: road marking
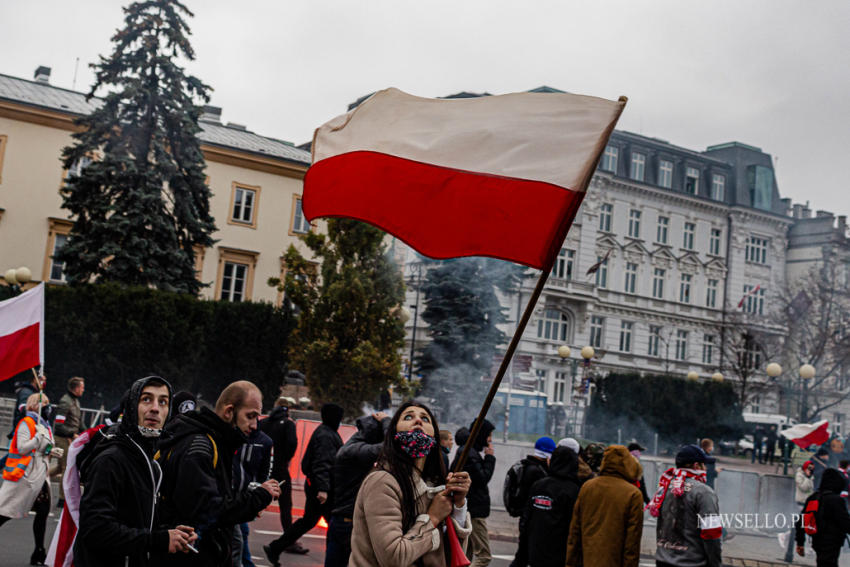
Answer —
(278, 534)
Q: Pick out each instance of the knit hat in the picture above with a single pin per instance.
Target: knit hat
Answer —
(807, 464)
(184, 402)
(544, 447)
(570, 443)
(692, 454)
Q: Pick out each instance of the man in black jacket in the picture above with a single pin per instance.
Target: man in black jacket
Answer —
(832, 520)
(353, 462)
(281, 429)
(197, 463)
(118, 507)
(545, 524)
(316, 464)
(534, 467)
(480, 471)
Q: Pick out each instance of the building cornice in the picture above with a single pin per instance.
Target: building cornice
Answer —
(38, 115)
(601, 179)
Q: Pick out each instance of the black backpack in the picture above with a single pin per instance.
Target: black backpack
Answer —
(512, 491)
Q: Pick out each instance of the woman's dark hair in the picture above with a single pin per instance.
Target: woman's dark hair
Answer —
(400, 465)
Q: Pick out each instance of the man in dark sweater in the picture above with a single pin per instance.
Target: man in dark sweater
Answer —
(534, 467)
(353, 462)
(831, 519)
(280, 427)
(316, 464)
(480, 471)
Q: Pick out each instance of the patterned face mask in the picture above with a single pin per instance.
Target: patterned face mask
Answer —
(415, 443)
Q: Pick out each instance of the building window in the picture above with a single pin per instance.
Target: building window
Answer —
(563, 267)
(243, 205)
(658, 276)
(602, 272)
(631, 277)
(638, 166)
(235, 274)
(299, 221)
(685, 288)
(665, 173)
(688, 239)
(609, 159)
(711, 293)
(605, 212)
(654, 340)
(57, 237)
(718, 187)
(756, 251)
(837, 421)
(661, 233)
(626, 336)
(553, 326)
(692, 180)
(559, 390)
(634, 223)
(708, 349)
(760, 180)
(749, 355)
(681, 345)
(597, 325)
(753, 300)
(714, 242)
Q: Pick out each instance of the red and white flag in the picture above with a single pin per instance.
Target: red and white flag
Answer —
(753, 291)
(22, 332)
(61, 552)
(499, 176)
(804, 435)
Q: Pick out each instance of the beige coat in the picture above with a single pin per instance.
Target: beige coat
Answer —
(17, 498)
(377, 539)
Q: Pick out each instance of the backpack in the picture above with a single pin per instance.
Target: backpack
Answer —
(810, 523)
(512, 493)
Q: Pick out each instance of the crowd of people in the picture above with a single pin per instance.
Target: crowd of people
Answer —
(173, 482)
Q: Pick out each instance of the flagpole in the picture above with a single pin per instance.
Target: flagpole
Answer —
(523, 322)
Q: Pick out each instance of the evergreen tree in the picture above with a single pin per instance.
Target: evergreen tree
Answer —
(348, 338)
(462, 311)
(142, 203)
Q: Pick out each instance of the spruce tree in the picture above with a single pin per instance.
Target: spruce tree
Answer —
(462, 310)
(142, 204)
(348, 338)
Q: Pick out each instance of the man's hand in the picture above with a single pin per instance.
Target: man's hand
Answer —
(178, 541)
(379, 416)
(272, 487)
(322, 496)
(801, 551)
(488, 450)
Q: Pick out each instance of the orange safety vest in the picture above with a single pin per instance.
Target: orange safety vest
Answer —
(16, 464)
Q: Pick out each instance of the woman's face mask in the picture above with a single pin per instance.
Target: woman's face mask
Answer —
(415, 443)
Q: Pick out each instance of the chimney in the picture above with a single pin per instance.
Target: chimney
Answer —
(786, 206)
(842, 225)
(42, 74)
(211, 114)
(807, 212)
(235, 126)
(798, 211)
(824, 215)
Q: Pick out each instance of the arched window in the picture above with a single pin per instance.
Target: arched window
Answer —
(554, 325)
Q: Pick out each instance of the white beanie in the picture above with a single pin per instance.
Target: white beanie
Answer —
(570, 443)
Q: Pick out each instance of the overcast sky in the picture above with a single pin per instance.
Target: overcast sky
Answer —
(769, 73)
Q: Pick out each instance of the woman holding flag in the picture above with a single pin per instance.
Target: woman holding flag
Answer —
(404, 502)
(25, 475)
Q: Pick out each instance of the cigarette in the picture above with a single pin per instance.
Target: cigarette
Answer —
(191, 548)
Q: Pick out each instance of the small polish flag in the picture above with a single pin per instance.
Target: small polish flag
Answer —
(753, 291)
(22, 332)
(805, 435)
(710, 526)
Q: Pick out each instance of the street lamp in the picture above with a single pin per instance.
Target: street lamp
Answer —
(692, 376)
(807, 372)
(564, 351)
(16, 278)
(717, 377)
(773, 370)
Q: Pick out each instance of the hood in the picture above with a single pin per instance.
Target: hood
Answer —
(833, 481)
(617, 461)
(332, 415)
(130, 421)
(203, 421)
(461, 436)
(279, 413)
(486, 429)
(369, 428)
(564, 463)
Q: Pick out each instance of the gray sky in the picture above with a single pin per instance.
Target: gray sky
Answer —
(770, 73)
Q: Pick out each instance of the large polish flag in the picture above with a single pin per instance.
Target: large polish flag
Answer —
(499, 176)
(805, 435)
(22, 332)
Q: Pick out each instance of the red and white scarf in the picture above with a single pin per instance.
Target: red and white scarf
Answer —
(676, 477)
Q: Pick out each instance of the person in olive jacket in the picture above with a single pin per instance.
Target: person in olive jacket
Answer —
(480, 469)
(832, 520)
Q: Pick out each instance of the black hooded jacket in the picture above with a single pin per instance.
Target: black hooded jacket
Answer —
(545, 524)
(318, 460)
(354, 461)
(281, 429)
(118, 517)
(833, 521)
(480, 471)
(197, 463)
